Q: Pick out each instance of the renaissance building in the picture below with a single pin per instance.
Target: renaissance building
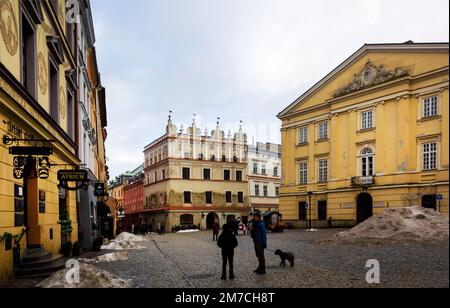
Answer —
(194, 178)
(371, 135)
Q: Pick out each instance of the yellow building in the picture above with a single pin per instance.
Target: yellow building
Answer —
(372, 134)
(38, 101)
(195, 178)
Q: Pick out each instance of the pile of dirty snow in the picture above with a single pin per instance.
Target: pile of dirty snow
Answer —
(128, 237)
(114, 245)
(109, 257)
(188, 231)
(397, 226)
(90, 277)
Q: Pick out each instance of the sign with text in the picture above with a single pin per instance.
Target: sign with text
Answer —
(73, 176)
(33, 151)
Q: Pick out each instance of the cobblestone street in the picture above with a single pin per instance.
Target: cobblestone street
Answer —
(193, 260)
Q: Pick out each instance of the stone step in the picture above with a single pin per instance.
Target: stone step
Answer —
(42, 263)
(37, 256)
(41, 271)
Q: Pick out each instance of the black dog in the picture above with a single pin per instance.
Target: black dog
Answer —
(285, 256)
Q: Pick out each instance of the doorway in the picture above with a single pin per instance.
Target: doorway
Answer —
(31, 202)
(364, 207)
(322, 210)
(211, 219)
(429, 202)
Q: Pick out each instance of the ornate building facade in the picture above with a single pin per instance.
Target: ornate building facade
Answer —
(372, 134)
(195, 179)
(264, 176)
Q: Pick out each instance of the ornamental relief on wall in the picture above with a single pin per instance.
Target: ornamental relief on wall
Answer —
(8, 27)
(63, 105)
(42, 73)
(370, 76)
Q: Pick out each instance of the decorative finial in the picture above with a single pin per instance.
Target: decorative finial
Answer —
(170, 114)
(218, 120)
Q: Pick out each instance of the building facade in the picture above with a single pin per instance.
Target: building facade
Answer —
(371, 135)
(195, 179)
(39, 113)
(264, 176)
(133, 200)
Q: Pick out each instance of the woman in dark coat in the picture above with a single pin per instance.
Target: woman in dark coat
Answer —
(228, 242)
(216, 230)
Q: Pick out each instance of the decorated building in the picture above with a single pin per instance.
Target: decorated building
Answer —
(371, 135)
(39, 131)
(194, 178)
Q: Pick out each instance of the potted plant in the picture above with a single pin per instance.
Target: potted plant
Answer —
(6, 239)
(66, 249)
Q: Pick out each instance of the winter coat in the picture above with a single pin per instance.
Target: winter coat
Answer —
(259, 233)
(228, 242)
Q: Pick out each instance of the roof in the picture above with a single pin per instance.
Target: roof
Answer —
(407, 46)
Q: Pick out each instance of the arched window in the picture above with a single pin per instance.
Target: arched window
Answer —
(367, 162)
(186, 220)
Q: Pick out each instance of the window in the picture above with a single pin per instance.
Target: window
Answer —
(70, 115)
(156, 176)
(239, 176)
(304, 173)
(302, 207)
(207, 174)
(28, 56)
(277, 191)
(226, 175)
(430, 106)
(430, 156)
(228, 197)
(186, 173)
(19, 206)
(255, 168)
(367, 162)
(323, 130)
(54, 92)
(266, 190)
(240, 197)
(367, 119)
(275, 171)
(322, 210)
(303, 135)
(257, 190)
(263, 170)
(186, 220)
(163, 173)
(187, 197)
(208, 197)
(323, 171)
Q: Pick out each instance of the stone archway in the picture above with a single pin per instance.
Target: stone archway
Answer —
(211, 219)
(364, 208)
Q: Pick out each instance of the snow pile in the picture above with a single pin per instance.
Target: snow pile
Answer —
(109, 257)
(90, 277)
(114, 245)
(188, 231)
(128, 237)
(393, 226)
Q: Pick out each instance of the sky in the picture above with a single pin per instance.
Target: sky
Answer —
(240, 60)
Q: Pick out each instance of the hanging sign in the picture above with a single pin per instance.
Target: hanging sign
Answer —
(34, 151)
(73, 176)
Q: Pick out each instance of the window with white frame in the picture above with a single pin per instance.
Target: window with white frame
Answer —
(303, 173)
(429, 156)
(430, 106)
(367, 162)
(323, 130)
(323, 171)
(367, 119)
(303, 132)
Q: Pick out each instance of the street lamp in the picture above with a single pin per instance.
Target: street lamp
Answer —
(310, 194)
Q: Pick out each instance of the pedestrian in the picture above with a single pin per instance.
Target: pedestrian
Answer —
(159, 228)
(259, 235)
(227, 242)
(216, 230)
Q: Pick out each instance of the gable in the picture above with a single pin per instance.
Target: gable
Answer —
(371, 66)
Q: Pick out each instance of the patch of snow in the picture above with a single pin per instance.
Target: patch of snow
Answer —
(109, 257)
(114, 245)
(188, 231)
(128, 237)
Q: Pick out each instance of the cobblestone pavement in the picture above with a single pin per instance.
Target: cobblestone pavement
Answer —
(193, 260)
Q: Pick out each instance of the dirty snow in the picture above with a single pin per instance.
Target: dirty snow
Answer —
(124, 237)
(188, 231)
(113, 245)
(393, 226)
(109, 257)
(90, 277)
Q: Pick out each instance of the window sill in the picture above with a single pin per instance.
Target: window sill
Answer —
(427, 119)
(366, 130)
(301, 145)
(323, 140)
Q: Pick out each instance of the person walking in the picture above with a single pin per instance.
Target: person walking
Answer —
(259, 235)
(216, 230)
(227, 242)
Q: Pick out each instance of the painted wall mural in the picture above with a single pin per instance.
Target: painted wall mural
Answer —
(8, 27)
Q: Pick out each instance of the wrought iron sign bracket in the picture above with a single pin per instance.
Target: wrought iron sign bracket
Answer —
(9, 140)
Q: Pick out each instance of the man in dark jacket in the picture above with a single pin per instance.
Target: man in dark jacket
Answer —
(259, 235)
(228, 242)
(216, 230)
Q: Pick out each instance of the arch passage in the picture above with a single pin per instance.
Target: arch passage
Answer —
(364, 207)
(211, 219)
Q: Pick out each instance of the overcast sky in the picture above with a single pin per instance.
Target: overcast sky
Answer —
(234, 59)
